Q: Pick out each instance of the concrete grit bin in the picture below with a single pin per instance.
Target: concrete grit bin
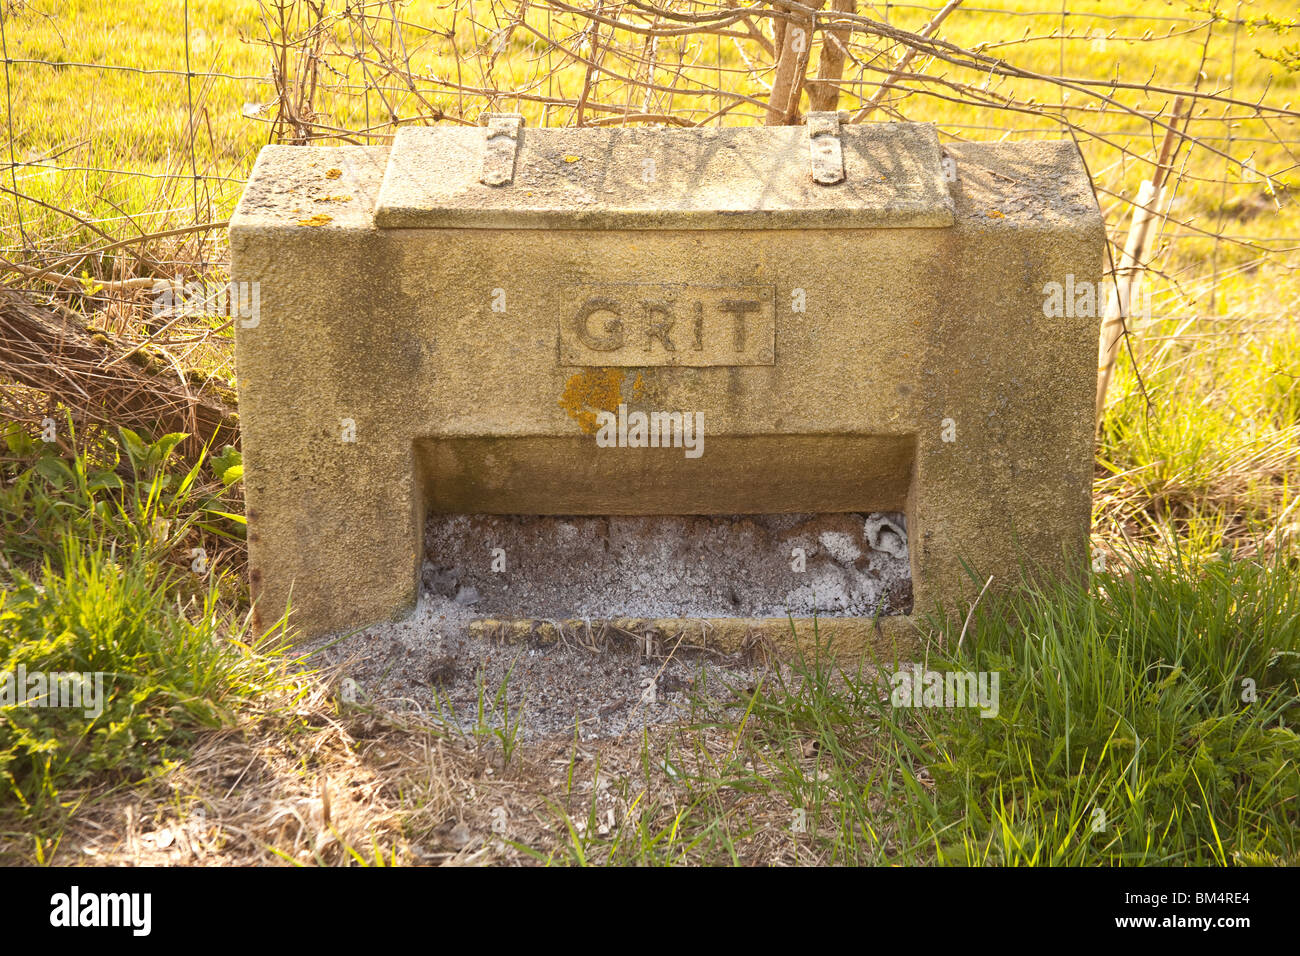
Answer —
(467, 323)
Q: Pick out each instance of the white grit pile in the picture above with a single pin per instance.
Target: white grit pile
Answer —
(600, 677)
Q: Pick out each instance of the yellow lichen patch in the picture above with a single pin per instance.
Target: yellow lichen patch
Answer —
(333, 173)
(317, 220)
(590, 391)
(331, 198)
(995, 214)
(571, 158)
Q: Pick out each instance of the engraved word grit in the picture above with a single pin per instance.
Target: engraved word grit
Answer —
(648, 325)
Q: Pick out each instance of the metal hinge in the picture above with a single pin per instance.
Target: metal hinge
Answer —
(825, 153)
(501, 146)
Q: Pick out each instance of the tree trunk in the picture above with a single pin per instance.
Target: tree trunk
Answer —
(824, 94)
(791, 67)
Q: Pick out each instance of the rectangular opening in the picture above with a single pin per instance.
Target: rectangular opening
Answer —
(757, 527)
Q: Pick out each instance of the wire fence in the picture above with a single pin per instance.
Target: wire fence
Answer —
(355, 72)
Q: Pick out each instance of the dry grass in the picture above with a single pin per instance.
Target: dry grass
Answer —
(54, 364)
(301, 786)
(320, 785)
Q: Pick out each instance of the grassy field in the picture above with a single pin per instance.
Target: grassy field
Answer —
(1148, 721)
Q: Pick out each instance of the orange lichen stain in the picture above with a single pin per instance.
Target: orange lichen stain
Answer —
(317, 220)
(331, 198)
(636, 386)
(995, 214)
(590, 391)
(334, 173)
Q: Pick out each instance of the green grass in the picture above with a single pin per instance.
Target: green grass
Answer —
(1214, 461)
(98, 579)
(1149, 720)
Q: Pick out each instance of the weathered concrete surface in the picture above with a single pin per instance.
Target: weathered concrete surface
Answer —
(646, 178)
(909, 336)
